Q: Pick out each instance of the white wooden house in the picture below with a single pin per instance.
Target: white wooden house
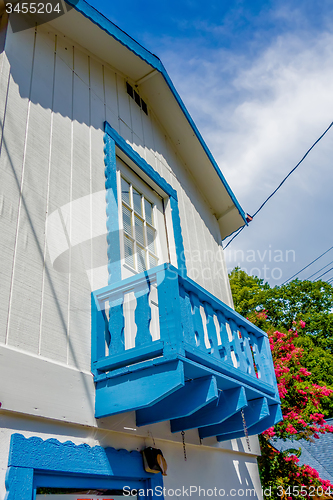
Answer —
(116, 324)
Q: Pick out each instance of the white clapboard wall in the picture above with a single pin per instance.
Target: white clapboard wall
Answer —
(54, 99)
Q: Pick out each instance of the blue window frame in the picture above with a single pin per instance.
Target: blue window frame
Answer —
(113, 140)
(34, 463)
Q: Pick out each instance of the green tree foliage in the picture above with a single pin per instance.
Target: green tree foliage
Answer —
(285, 305)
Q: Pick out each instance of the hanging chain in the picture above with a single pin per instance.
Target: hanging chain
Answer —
(245, 430)
(150, 434)
(184, 446)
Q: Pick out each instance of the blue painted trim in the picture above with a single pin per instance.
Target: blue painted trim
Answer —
(112, 219)
(179, 242)
(255, 411)
(112, 137)
(136, 390)
(130, 356)
(111, 29)
(140, 162)
(98, 327)
(229, 313)
(195, 395)
(229, 403)
(31, 457)
(257, 428)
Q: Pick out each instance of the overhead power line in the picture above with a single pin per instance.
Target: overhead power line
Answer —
(323, 274)
(282, 182)
(319, 270)
(305, 267)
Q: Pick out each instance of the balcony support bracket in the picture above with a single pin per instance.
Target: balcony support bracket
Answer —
(254, 412)
(194, 395)
(138, 389)
(228, 403)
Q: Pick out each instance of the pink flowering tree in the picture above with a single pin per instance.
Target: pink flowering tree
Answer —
(281, 474)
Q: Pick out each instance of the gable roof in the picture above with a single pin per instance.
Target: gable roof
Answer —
(88, 27)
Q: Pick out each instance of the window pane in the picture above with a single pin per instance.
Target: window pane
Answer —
(153, 262)
(127, 220)
(139, 230)
(149, 212)
(141, 259)
(129, 251)
(137, 201)
(125, 191)
(151, 234)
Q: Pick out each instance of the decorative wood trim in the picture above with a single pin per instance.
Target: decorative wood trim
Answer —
(112, 220)
(112, 139)
(33, 456)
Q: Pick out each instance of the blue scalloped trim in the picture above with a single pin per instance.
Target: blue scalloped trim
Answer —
(141, 162)
(112, 219)
(112, 139)
(179, 242)
(30, 456)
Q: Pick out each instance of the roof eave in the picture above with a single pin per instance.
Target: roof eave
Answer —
(229, 219)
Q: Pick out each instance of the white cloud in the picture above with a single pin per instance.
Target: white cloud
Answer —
(259, 116)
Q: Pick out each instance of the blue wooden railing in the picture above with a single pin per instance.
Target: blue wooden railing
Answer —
(170, 317)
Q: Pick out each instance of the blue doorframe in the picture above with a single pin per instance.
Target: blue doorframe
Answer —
(33, 463)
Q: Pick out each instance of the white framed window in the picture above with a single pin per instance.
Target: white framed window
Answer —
(143, 237)
(139, 228)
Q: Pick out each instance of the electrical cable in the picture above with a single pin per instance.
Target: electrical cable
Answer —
(281, 183)
(323, 274)
(319, 270)
(308, 265)
(240, 230)
(291, 171)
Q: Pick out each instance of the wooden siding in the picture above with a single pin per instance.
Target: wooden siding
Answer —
(54, 98)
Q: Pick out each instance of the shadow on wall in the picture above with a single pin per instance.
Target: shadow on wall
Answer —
(100, 98)
(224, 477)
(48, 275)
(47, 73)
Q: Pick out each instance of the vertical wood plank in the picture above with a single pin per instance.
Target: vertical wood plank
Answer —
(236, 342)
(19, 52)
(186, 315)
(116, 325)
(136, 115)
(148, 140)
(80, 222)
(211, 330)
(28, 270)
(123, 102)
(170, 313)
(247, 352)
(98, 277)
(197, 321)
(111, 98)
(142, 315)
(256, 356)
(97, 331)
(54, 319)
(225, 348)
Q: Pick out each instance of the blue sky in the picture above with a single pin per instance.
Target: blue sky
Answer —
(257, 78)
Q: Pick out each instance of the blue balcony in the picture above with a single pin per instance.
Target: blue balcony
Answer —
(168, 349)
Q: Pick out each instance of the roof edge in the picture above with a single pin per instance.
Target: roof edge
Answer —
(109, 27)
